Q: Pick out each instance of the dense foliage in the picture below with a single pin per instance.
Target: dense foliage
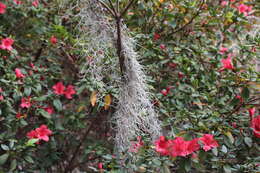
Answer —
(200, 57)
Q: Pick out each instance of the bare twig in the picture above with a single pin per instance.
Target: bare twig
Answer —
(191, 20)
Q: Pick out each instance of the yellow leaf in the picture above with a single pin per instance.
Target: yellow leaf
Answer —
(230, 137)
(80, 108)
(108, 101)
(93, 98)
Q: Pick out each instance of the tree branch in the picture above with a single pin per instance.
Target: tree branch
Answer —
(191, 20)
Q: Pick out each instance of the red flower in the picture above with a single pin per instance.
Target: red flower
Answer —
(180, 75)
(255, 124)
(251, 112)
(135, 146)
(19, 115)
(69, 91)
(223, 50)
(162, 46)
(41, 133)
(208, 142)
(227, 64)
(6, 43)
(156, 36)
(224, 3)
(172, 65)
(49, 110)
(32, 134)
(17, 2)
(242, 8)
(53, 40)
(59, 88)
(1, 98)
(162, 146)
(164, 92)
(193, 146)
(35, 3)
(239, 98)
(18, 73)
(179, 147)
(100, 165)
(26, 102)
(234, 124)
(2, 8)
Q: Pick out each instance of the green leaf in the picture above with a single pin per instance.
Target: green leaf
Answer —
(3, 158)
(13, 165)
(57, 104)
(45, 114)
(31, 142)
(4, 147)
(227, 169)
(224, 149)
(215, 151)
(245, 93)
(248, 141)
(29, 159)
(27, 91)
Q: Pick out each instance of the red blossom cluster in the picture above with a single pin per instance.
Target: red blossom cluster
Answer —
(242, 8)
(41, 133)
(60, 89)
(180, 147)
(2, 8)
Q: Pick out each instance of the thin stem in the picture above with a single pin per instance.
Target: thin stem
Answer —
(127, 7)
(107, 7)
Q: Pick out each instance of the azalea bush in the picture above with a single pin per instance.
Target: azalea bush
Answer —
(201, 58)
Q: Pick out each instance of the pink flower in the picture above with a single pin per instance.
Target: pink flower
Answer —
(69, 91)
(59, 88)
(239, 98)
(179, 147)
(193, 146)
(100, 166)
(7, 44)
(234, 124)
(32, 134)
(26, 102)
(1, 98)
(135, 146)
(162, 46)
(18, 73)
(242, 8)
(208, 142)
(35, 3)
(1, 90)
(53, 40)
(227, 64)
(223, 50)
(19, 115)
(255, 124)
(162, 146)
(2, 8)
(224, 3)
(41, 133)
(251, 112)
(49, 110)
(164, 92)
